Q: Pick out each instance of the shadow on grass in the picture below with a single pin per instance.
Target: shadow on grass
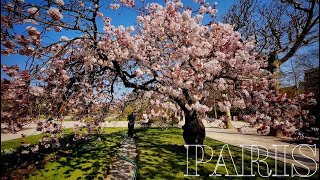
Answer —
(161, 155)
(88, 159)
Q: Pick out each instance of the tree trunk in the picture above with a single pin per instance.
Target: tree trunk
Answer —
(274, 66)
(193, 130)
(228, 121)
(228, 124)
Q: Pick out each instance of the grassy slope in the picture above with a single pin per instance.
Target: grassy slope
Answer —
(162, 156)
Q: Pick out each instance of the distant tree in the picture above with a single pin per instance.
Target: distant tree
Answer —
(292, 74)
(281, 27)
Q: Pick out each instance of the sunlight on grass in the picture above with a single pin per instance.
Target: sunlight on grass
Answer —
(15, 143)
(125, 118)
(163, 156)
(34, 139)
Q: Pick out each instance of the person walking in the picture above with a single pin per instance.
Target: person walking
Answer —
(131, 120)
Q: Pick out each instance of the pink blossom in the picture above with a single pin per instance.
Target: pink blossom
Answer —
(22, 40)
(239, 103)
(232, 62)
(36, 91)
(8, 44)
(114, 6)
(64, 38)
(57, 28)
(100, 14)
(199, 17)
(64, 77)
(60, 3)
(32, 31)
(127, 2)
(139, 72)
(10, 6)
(225, 106)
(27, 51)
(212, 67)
(19, 1)
(201, 108)
(130, 29)
(202, 9)
(81, 4)
(140, 19)
(35, 148)
(25, 152)
(33, 11)
(55, 14)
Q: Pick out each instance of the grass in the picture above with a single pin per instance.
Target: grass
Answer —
(119, 119)
(161, 155)
(15, 143)
(89, 160)
(34, 139)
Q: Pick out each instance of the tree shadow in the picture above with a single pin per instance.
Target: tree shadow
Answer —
(88, 159)
(92, 157)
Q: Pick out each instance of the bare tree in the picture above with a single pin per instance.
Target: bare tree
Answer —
(292, 73)
(281, 27)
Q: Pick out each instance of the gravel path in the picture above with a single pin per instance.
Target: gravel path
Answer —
(122, 169)
(232, 137)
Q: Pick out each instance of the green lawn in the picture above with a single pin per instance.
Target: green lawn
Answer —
(89, 160)
(125, 118)
(34, 139)
(163, 156)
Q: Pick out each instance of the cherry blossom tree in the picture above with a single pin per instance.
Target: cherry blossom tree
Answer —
(20, 102)
(275, 110)
(167, 57)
